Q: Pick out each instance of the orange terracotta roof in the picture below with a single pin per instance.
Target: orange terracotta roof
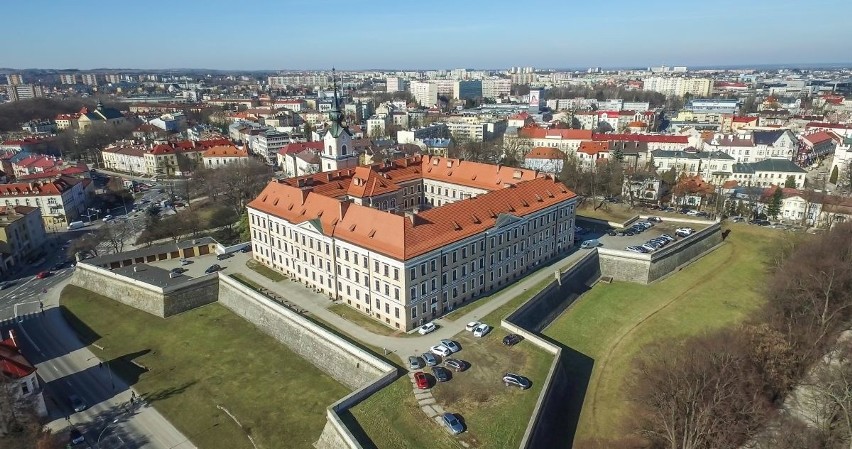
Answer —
(637, 124)
(593, 148)
(12, 363)
(739, 119)
(819, 137)
(545, 153)
(315, 197)
(225, 151)
(55, 187)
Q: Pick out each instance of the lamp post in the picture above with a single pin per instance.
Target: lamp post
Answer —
(98, 442)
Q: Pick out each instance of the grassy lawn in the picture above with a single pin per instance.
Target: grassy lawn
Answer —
(496, 416)
(265, 271)
(350, 314)
(610, 212)
(190, 359)
(613, 322)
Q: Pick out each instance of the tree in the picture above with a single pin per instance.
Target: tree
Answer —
(790, 183)
(85, 245)
(114, 234)
(775, 203)
(834, 173)
(19, 422)
(245, 229)
(699, 395)
(844, 180)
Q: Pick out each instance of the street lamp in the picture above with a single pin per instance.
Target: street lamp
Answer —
(98, 442)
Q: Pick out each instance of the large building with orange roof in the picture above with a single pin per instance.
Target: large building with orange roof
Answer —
(408, 240)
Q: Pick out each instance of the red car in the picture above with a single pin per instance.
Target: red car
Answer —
(421, 380)
(42, 274)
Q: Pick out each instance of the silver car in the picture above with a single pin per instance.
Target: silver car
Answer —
(451, 345)
(453, 424)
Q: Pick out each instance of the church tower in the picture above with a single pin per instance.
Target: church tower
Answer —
(337, 152)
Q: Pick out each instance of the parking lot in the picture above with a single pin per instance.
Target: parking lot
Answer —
(196, 265)
(621, 242)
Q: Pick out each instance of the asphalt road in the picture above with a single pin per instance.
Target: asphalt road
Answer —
(66, 366)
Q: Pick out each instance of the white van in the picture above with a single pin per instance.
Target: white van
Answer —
(593, 243)
(75, 225)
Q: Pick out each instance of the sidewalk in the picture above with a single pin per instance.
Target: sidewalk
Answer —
(147, 422)
(317, 305)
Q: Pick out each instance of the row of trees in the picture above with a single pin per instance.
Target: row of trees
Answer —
(718, 390)
(14, 113)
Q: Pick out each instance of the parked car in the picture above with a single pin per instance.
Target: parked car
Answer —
(212, 269)
(516, 380)
(415, 362)
(454, 426)
(512, 339)
(471, 326)
(587, 244)
(75, 436)
(655, 219)
(178, 270)
(668, 237)
(481, 330)
(224, 256)
(760, 222)
(455, 364)
(692, 213)
(451, 345)
(648, 248)
(421, 380)
(426, 328)
(185, 262)
(76, 403)
(43, 274)
(626, 232)
(429, 358)
(108, 218)
(5, 284)
(441, 350)
(441, 374)
(635, 249)
(246, 249)
(612, 233)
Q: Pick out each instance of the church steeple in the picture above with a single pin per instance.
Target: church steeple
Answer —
(336, 117)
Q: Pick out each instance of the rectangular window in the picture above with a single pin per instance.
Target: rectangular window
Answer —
(376, 268)
(378, 286)
(396, 294)
(413, 273)
(413, 292)
(413, 312)
(396, 274)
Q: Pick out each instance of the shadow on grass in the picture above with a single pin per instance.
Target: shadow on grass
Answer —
(126, 368)
(167, 393)
(355, 427)
(86, 334)
(561, 410)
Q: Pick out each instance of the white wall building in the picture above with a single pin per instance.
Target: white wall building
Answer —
(426, 94)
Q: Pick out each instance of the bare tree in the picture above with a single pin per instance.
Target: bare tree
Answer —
(115, 234)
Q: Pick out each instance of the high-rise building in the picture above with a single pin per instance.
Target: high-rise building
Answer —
(68, 78)
(89, 79)
(676, 86)
(113, 78)
(467, 90)
(395, 84)
(496, 88)
(14, 79)
(24, 92)
(426, 94)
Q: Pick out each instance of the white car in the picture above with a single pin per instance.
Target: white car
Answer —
(426, 328)
(451, 345)
(440, 350)
(472, 325)
(108, 218)
(481, 330)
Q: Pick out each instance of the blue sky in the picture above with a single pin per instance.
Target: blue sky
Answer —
(317, 34)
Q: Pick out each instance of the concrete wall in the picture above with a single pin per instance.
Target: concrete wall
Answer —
(340, 359)
(645, 268)
(133, 293)
(146, 297)
(551, 301)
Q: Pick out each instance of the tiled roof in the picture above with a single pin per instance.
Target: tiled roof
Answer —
(55, 187)
(401, 237)
(648, 138)
(546, 153)
(593, 148)
(12, 363)
(300, 146)
(739, 119)
(767, 137)
(827, 125)
(819, 137)
(511, 191)
(777, 165)
(225, 151)
(637, 124)
(566, 134)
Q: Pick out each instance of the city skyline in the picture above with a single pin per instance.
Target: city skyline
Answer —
(305, 35)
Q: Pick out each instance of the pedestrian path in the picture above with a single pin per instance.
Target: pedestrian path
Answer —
(318, 304)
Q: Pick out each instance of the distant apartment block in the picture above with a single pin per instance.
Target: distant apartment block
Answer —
(14, 79)
(89, 79)
(24, 92)
(395, 84)
(496, 88)
(467, 90)
(425, 94)
(679, 86)
(68, 78)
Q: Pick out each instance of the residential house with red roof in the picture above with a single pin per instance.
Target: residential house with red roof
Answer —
(61, 200)
(20, 374)
(545, 159)
(408, 240)
(221, 156)
(814, 147)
